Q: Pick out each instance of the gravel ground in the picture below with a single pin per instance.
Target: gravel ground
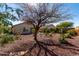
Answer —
(19, 47)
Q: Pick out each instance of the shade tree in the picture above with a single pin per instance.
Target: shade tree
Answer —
(41, 14)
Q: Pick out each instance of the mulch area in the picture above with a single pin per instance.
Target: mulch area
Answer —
(19, 47)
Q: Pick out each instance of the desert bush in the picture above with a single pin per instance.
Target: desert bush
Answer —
(67, 35)
(33, 30)
(6, 38)
(63, 26)
(72, 32)
(56, 30)
(47, 31)
(62, 40)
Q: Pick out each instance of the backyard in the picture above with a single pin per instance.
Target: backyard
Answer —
(42, 31)
(20, 47)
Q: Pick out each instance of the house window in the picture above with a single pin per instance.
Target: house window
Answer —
(25, 30)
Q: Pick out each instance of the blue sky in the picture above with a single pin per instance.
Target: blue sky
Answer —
(74, 9)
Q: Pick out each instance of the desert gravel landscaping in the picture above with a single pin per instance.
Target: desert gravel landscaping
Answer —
(20, 47)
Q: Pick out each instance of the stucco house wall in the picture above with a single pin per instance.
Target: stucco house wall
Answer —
(26, 28)
(23, 28)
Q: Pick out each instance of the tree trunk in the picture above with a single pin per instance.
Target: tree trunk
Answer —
(41, 45)
(35, 35)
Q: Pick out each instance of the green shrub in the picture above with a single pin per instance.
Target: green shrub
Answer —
(45, 30)
(33, 30)
(54, 30)
(67, 35)
(62, 40)
(6, 38)
(71, 32)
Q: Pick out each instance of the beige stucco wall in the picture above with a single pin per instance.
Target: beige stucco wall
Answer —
(18, 29)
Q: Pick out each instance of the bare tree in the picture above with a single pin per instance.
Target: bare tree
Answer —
(41, 14)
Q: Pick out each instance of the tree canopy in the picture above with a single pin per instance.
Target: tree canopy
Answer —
(65, 24)
(41, 14)
(6, 16)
